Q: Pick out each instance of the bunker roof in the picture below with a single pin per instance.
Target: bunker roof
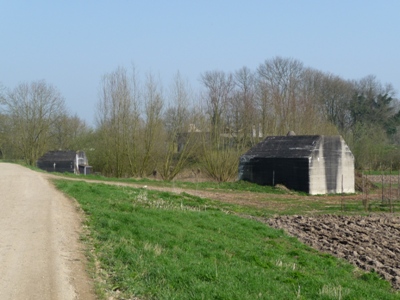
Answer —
(293, 146)
(66, 155)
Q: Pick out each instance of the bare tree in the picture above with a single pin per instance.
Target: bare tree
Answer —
(243, 107)
(33, 110)
(219, 88)
(335, 97)
(69, 132)
(265, 117)
(279, 78)
(114, 117)
(3, 124)
(5, 135)
(310, 117)
(179, 130)
(133, 141)
(220, 152)
(152, 129)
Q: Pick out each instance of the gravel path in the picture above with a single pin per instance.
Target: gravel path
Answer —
(40, 254)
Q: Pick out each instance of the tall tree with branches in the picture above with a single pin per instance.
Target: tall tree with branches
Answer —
(33, 109)
(219, 87)
(152, 126)
(114, 119)
(220, 153)
(280, 79)
(179, 130)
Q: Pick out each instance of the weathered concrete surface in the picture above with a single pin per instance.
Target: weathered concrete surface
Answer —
(332, 167)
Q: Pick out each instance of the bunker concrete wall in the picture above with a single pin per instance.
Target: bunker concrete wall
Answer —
(348, 169)
(317, 172)
(331, 167)
(328, 167)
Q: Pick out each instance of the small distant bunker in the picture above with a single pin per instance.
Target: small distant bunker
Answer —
(65, 161)
(313, 164)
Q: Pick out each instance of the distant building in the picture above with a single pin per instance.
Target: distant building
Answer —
(65, 161)
(313, 164)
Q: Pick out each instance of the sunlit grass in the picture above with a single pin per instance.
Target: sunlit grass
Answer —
(241, 186)
(158, 245)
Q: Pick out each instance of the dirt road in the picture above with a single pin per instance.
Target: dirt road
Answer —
(40, 253)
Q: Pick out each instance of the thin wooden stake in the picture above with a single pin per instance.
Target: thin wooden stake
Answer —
(273, 178)
(390, 189)
(382, 188)
(342, 195)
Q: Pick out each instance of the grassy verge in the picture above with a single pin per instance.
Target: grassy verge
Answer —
(157, 245)
(209, 185)
(381, 172)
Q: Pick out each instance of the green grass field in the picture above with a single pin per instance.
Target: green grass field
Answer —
(159, 245)
(226, 186)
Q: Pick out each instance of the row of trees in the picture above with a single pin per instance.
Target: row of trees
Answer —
(142, 128)
(34, 119)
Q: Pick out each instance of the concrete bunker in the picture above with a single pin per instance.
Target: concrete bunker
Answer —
(65, 161)
(314, 164)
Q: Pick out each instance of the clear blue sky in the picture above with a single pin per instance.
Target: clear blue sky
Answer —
(72, 44)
